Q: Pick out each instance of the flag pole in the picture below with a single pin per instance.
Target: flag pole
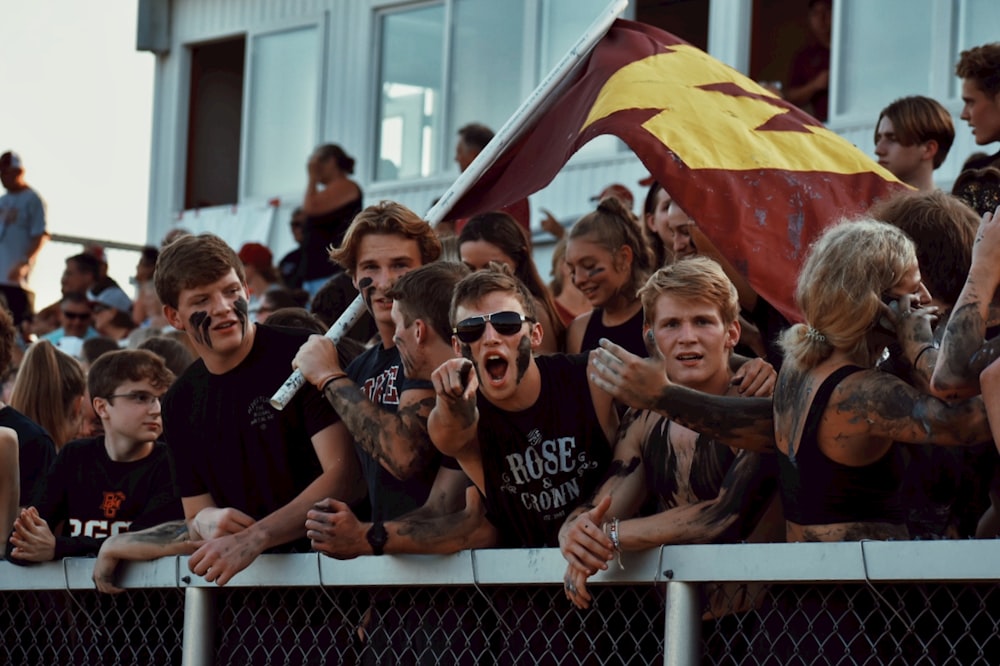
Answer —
(506, 135)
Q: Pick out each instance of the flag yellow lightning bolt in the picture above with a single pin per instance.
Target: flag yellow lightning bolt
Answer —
(710, 129)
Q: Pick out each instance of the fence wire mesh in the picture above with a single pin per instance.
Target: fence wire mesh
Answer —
(911, 624)
(59, 627)
(924, 624)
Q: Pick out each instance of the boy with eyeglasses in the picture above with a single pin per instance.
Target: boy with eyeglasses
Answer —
(109, 484)
(530, 432)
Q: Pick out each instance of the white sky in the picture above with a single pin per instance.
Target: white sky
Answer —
(77, 106)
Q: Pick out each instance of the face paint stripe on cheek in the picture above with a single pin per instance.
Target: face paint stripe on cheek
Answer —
(523, 357)
(200, 323)
(242, 309)
(366, 289)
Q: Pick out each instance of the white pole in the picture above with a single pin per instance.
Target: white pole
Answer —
(511, 130)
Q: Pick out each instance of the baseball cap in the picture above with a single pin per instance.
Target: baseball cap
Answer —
(256, 255)
(10, 160)
(112, 297)
(618, 191)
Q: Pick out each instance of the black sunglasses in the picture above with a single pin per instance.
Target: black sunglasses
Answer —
(504, 323)
(76, 315)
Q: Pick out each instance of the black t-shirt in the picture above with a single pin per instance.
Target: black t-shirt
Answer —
(35, 450)
(378, 372)
(226, 438)
(541, 462)
(97, 497)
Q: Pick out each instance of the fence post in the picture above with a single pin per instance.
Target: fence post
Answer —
(682, 625)
(199, 627)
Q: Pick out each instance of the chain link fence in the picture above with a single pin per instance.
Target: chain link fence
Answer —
(905, 603)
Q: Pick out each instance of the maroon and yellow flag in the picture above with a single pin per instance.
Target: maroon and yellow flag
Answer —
(759, 176)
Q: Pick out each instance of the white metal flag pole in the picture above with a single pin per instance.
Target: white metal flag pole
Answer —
(518, 122)
(295, 381)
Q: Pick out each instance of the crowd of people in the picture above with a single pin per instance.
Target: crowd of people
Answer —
(474, 406)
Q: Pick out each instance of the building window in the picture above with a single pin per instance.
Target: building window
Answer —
(492, 54)
(283, 102)
(411, 79)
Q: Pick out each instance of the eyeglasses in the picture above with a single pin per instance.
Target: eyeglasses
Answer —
(504, 323)
(76, 315)
(144, 398)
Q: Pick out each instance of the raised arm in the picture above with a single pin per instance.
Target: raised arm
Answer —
(454, 421)
(746, 423)
(399, 440)
(954, 376)
(873, 404)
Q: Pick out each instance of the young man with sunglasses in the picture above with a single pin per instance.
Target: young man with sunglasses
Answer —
(109, 484)
(530, 432)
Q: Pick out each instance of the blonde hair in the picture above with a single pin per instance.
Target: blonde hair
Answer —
(47, 390)
(840, 288)
(694, 278)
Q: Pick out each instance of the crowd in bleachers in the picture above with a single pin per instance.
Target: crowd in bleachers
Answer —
(647, 396)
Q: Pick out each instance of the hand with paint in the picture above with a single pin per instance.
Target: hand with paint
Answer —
(318, 360)
(630, 379)
(755, 378)
(583, 542)
(453, 422)
(334, 530)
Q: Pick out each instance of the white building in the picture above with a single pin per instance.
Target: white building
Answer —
(245, 89)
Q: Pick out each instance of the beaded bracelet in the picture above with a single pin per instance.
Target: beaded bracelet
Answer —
(616, 542)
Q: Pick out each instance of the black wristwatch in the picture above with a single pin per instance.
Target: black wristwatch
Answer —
(377, 536)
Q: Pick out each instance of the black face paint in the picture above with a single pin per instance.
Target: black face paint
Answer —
(242, 309)
(200, 323)
(465, 373)
(466, 351)
(523, 357)
(595, 271)
(366, 289)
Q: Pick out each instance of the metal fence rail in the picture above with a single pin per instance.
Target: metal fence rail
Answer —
(853, 603)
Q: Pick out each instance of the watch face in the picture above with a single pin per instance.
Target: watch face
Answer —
(377, 536)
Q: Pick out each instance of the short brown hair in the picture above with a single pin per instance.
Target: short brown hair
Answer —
(696, 279)
(474, 287)
(475, 135)
(193, 261)
(919, 119)
(425, 293)
(113, 369)
(982, 65)
(386, 218)
(943, 229)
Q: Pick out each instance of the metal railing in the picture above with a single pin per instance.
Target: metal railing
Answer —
(848, 603)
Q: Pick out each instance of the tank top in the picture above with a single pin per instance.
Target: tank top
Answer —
(818, 491)
(627, 334)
